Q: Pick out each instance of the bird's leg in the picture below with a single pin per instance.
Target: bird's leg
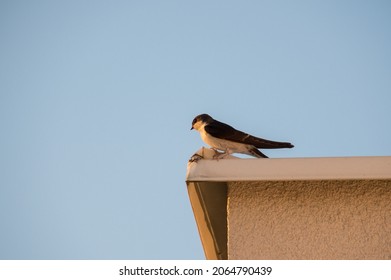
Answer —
(217, 154)
(222, 155)
(227, 152)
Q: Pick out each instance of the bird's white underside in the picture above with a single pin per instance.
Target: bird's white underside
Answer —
(221, 144)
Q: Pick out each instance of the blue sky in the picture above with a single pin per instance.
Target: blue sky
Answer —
(97, 99)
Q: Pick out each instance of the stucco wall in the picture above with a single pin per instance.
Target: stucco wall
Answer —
(309, 220)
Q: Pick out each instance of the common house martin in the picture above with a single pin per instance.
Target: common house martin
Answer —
(223, 137)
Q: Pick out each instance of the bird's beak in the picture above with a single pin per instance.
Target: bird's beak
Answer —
(191, 128)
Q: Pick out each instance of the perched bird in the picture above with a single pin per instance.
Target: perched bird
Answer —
(221, 136)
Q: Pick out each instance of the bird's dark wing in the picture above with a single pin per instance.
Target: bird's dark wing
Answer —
(224, 131)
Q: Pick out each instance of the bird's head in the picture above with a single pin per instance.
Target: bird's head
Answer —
(200, 120)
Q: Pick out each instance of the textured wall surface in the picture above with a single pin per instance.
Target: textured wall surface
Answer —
(310, 220)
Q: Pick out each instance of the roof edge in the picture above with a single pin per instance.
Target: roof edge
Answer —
(323, 168)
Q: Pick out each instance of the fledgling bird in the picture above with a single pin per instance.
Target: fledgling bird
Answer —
(221, 136)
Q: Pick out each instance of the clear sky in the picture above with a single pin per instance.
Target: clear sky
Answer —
(97, 100)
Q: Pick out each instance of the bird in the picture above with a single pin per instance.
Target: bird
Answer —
(223, 137)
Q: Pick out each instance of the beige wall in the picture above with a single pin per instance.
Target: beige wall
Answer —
(309, 220)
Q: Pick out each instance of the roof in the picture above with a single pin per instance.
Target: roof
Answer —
(207, 181)
(254, 169)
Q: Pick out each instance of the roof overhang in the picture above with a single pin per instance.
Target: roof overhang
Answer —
(207, 180)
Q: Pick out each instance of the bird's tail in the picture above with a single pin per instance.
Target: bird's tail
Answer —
(257, 153)
(268, 144)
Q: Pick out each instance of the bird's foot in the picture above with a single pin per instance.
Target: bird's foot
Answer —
(195, 158)
(218, 155)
